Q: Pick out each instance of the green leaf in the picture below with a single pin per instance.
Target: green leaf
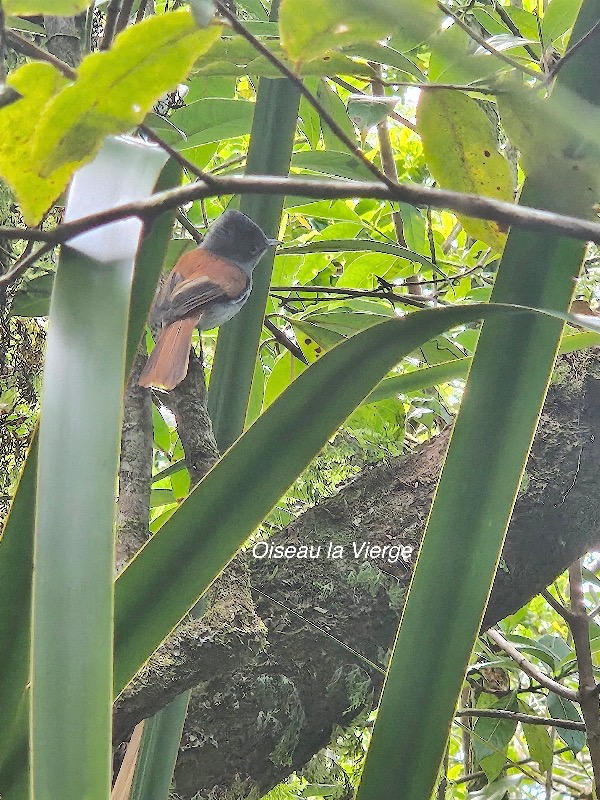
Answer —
(162, 434)
(414, 227)
(336, 108)
(556, 646)
(33, 297)
(158, 752)
(455, 370)
(498, 790)
(461, 151)
(271, 146)
(213, 119)
(16, 542)
(559, 18)
(493, 764)
(490, 21)
(490, 734)
(453, 60)
(115, 89)
(19, 24)
(73, 574)
(311, 28)
(59, 8)
(329, 162)
(383, 54)
(366, 111)
(345, 322)
(286, 370)
(315, 339)
(319, 790)
(561, 708)
(353, 245)
(363, 271)
(311, 122)
(539, 745)
(539, 742)
(38, 83)
(236, 56)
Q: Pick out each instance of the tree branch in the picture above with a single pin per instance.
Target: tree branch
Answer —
(531, 669)
(529, 719)
(469, 204)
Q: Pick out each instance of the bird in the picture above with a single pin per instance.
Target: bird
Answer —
(206, 287)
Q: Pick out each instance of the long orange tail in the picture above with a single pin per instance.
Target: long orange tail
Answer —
(168, 362)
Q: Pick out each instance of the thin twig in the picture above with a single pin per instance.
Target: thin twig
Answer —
(285, 341)
(387, 154)
(458, 87)
(486, 46)
(24, 263)
(141, 11)
(506, 19)
(574, 48)
(27, 48)
(471, 776)
(529, 719)
(530, 669)
(326, 633)
(189, 226)
(315, 103)
(560, 609)
(393, 114)
(379, 294)
(123, 18)
(176, 155)
(588, 690)
(112, 13)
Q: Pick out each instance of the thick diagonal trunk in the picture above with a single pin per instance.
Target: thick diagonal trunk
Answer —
(248, 728)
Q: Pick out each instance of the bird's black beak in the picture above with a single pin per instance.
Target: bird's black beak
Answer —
(273, 242)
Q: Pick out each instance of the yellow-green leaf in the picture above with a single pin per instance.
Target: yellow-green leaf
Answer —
(558, 143)
(461, 151)
(310, 28)
(115, 89)
(38, 84)
(539, 745)
(58, 8)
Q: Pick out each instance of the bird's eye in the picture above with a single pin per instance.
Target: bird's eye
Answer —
(254, 249)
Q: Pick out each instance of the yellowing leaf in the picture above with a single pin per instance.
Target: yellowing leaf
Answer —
(460, 148)
(559, 145)
(115, 89)
(310, 28)
(314, 340)
(59, 8)
(38, 83)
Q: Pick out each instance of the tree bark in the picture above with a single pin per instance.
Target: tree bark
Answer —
(330, 623)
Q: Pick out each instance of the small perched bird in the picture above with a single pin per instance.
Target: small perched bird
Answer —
(205, 288)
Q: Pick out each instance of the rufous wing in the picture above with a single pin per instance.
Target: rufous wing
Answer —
(200, 278)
